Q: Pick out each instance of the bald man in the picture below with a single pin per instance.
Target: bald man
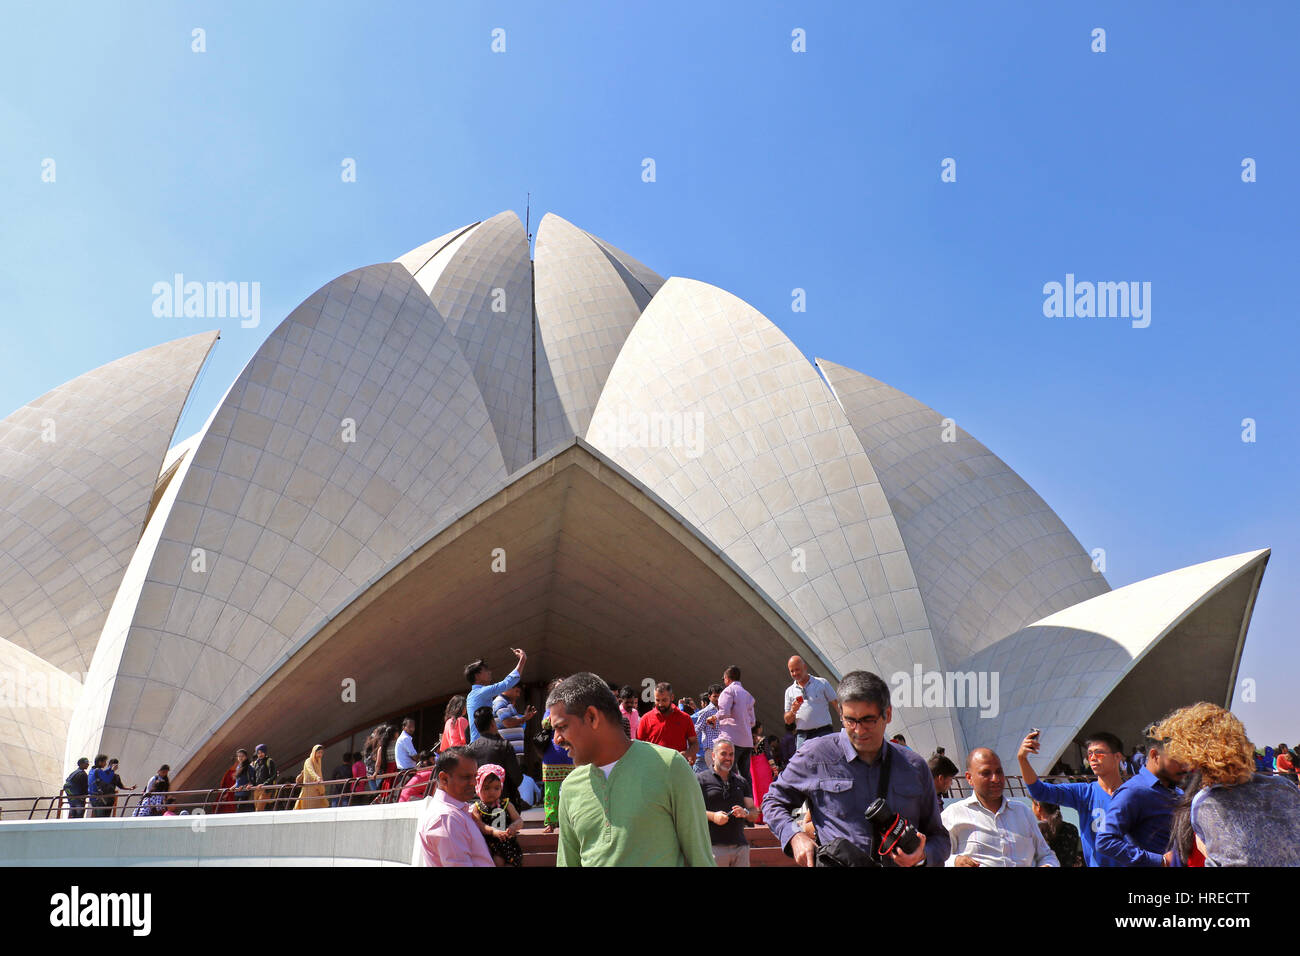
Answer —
(808, 703)
(987, 828)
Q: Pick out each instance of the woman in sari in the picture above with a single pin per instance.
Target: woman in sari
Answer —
(418, 784)
(313, 785)
(381, 763)
(226, 802)
(762, 770)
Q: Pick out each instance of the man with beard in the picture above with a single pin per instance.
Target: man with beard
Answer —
(667, 726)
(627, 802)
(728, 804)
(1135, 830)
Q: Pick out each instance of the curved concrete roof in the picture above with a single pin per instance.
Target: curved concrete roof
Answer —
(758, 455)
(990, 556)
(72, 508)
(36, 701)
(292, 515)
(600, 575)
(588, 296)
(481, 282)
(1057, 672)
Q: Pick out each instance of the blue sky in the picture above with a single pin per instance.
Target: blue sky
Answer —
(775, 170)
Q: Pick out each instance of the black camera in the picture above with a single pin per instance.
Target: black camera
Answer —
(896, 831)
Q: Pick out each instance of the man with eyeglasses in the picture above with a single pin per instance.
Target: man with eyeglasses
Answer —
(840, 775)
(1090, 800)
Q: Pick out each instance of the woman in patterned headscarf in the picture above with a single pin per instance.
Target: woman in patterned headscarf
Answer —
(312, 780)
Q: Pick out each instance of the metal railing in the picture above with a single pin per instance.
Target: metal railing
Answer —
(341, 792)
(1016, 786)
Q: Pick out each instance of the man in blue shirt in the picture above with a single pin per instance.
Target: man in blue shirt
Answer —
(1135, 831)
(705, 729)
(840, 775)
(100, 783)
(1089, 800)
(512, 724)
(479, 676)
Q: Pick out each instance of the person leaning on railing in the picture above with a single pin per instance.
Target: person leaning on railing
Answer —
(77, 786)
(155, 793)
(262, 775)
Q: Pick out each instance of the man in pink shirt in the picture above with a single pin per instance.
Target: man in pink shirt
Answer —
(736, 718)
(627, 704)
(446, 834)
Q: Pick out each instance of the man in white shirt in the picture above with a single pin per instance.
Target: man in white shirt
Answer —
(446, 834)
(404, 753)
(808, 703)
(986, 828)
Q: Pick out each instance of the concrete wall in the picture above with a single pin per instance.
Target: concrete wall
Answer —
(352, 836)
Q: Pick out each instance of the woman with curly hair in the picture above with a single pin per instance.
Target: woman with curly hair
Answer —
(1239, 817)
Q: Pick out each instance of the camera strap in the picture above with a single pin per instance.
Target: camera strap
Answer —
(882, 791)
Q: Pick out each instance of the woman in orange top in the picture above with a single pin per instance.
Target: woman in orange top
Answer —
(455, 729)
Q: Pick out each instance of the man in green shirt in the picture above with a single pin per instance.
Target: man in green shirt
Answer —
(627, 803)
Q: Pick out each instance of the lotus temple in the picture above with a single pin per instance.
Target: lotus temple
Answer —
(474, 448)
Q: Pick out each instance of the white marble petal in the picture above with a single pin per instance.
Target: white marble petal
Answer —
(77, 467)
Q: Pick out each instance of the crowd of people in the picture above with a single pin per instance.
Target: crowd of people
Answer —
(617, 794)
(1196, 793)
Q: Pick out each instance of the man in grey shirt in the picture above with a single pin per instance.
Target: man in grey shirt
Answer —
(808, 703)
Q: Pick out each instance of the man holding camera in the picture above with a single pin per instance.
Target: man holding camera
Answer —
(841, 775)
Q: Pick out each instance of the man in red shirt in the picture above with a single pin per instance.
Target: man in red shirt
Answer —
(667, 726)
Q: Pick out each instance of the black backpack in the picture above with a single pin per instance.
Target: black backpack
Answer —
(68, 787)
